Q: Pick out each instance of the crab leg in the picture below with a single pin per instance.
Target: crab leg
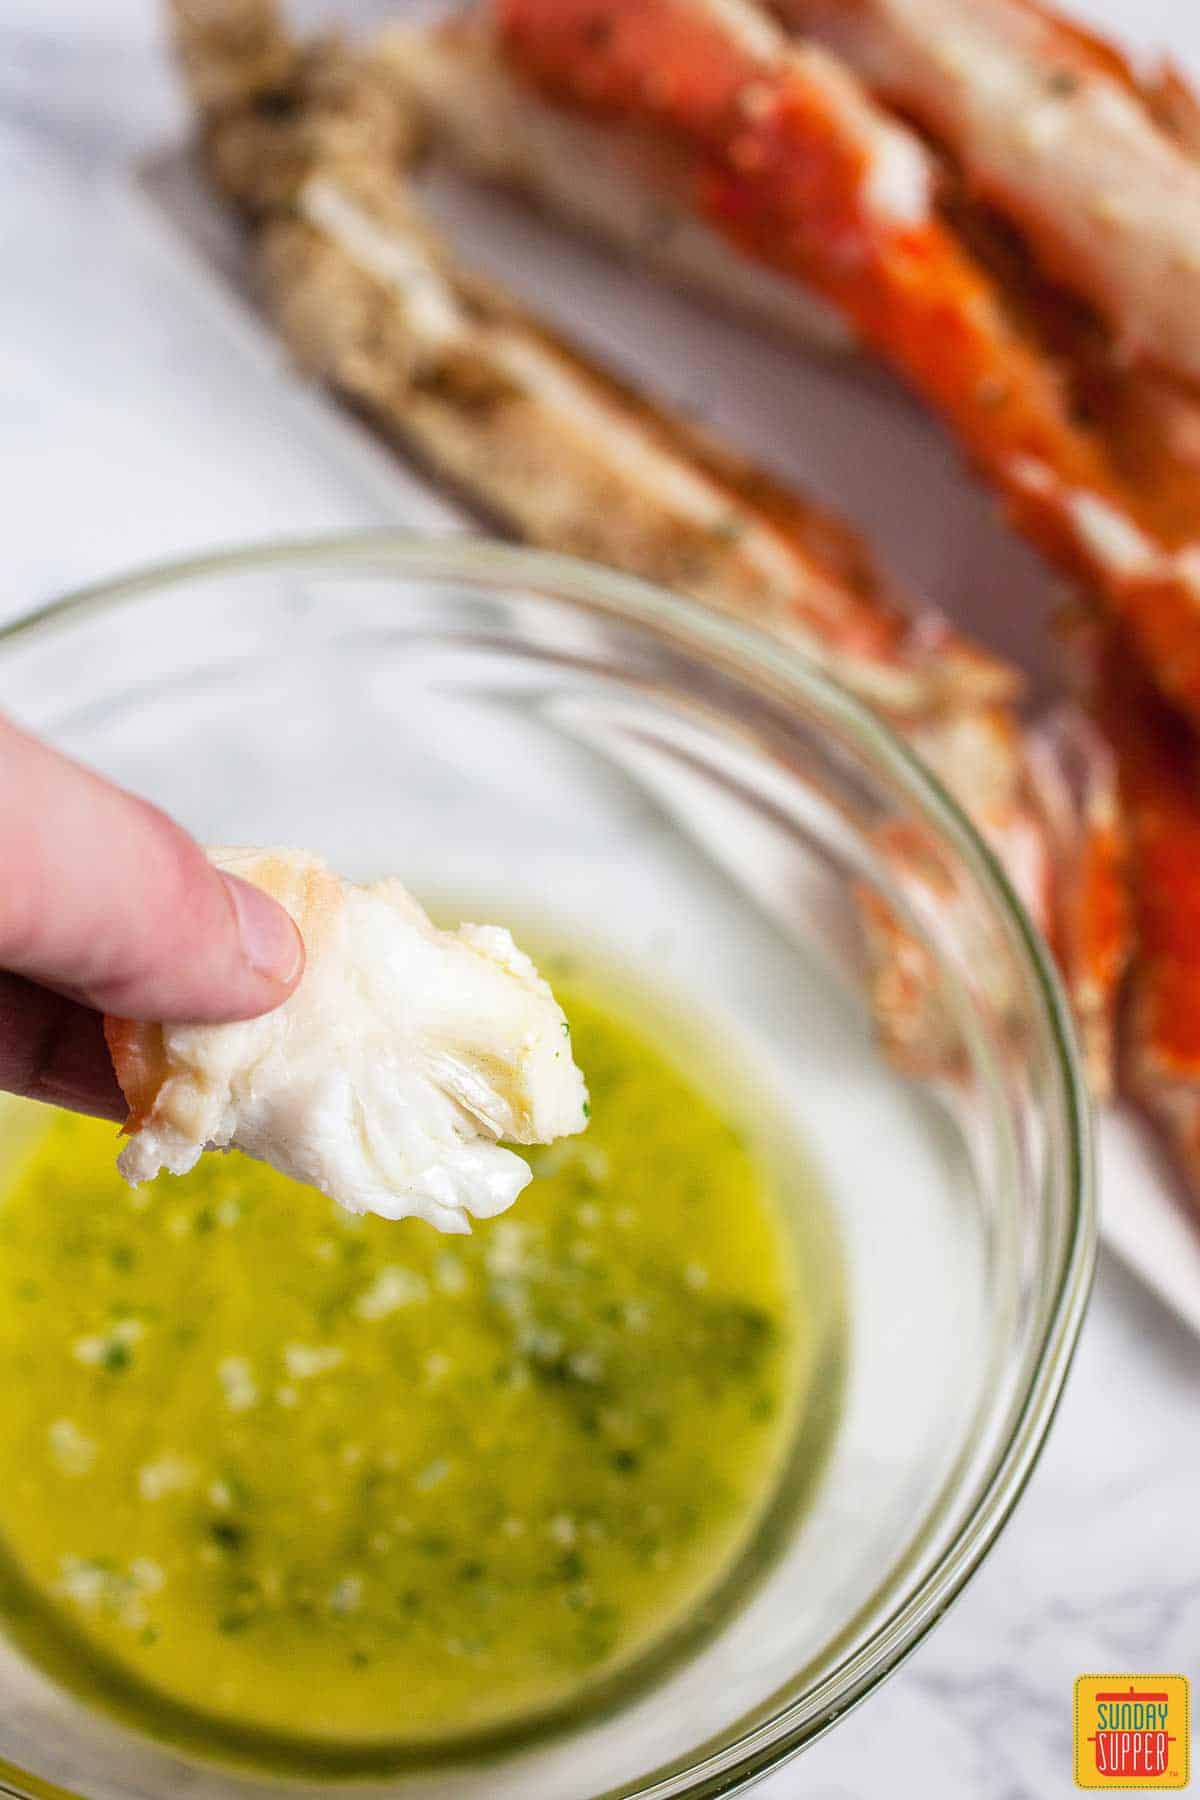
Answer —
(798, 165)
(565, 455)
(1053, 132)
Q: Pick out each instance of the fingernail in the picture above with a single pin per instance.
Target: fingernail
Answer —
(271, 943)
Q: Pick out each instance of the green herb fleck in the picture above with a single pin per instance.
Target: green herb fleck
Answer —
(228, 1534)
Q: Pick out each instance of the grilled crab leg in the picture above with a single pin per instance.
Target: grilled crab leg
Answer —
(373, 303)
(795, 162)
(1052, 129)
(571, 460)
(531, 431)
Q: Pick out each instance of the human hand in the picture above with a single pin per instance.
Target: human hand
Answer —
(106, 905)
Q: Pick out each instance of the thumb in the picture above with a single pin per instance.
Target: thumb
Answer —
(105, 899)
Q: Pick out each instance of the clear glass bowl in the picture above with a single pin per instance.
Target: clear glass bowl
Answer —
(552, 743)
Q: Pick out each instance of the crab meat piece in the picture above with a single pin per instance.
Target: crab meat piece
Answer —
(1057, 137)
(795, 161)
(387, 1079)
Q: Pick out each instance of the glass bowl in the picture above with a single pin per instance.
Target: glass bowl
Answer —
(554, 745)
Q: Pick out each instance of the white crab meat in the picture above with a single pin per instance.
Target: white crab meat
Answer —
(390, 1075)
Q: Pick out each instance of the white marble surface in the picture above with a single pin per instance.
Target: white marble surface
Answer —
(127, 431)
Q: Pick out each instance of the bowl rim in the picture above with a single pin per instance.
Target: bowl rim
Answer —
(779, 670)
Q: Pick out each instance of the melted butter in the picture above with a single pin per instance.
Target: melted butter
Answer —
(271, 1472)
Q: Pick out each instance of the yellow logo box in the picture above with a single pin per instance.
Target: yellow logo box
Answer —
(1132, 1731)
